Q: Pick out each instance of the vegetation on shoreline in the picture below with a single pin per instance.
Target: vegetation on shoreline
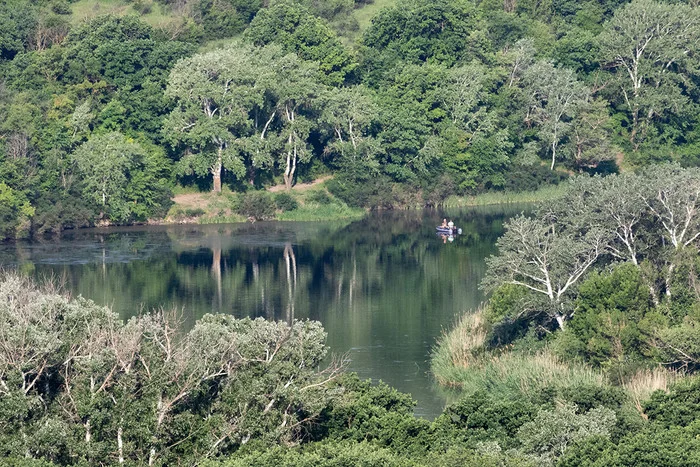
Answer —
(78, 386)
(427, 102)
(595, 289)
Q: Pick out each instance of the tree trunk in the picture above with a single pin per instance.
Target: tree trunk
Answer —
(120, 445)
(290, 165)
(216, 172)
(560, 321)
(554, 155)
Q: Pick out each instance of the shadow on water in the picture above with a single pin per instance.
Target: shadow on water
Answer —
(384, 287)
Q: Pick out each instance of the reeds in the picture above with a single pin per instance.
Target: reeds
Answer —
(461, 360)
(645, 382)
(506, 197)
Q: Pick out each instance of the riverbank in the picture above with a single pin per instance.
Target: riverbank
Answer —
(313, 202)
(500, 197)
(304, 202)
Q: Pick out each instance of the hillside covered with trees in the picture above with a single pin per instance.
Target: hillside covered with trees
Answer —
(102, 116)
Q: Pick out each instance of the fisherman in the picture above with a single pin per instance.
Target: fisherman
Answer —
(444, 224)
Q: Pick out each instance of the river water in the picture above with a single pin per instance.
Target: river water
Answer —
(384, 287)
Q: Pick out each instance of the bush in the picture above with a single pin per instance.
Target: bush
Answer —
(61, 7)
(320, 197)
(285, 202)
(257, 205)
(143, 7)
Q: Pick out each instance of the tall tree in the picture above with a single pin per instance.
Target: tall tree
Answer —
(556, 96)
(349, 113)
(546, 258)
(121, 178)
(214, 94)
(651, 47)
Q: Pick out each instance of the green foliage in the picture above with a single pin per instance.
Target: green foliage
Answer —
(327, 454)
(297, 31)
(103, 381)
(443, 31)
(257, 205)
(551, 432)
(614, 319)
(480, 417)
(319, 197)
(122, 179)
(15, 212)
(285, 202)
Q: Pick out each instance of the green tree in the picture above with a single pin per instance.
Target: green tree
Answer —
(556, 97)
(650, 46)
(214, 95)
(349, 113)
(120, 177)
(297, 31)
(15, 211)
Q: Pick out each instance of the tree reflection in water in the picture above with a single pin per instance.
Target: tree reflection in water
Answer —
(384, 287)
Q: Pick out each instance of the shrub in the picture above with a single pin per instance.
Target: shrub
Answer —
(61, 7)
(320, 197)
(285, 202)
(257, 205)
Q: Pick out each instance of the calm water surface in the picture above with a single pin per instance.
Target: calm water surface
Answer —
(384, 287)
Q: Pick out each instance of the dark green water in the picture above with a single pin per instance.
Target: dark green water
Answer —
(384, 287)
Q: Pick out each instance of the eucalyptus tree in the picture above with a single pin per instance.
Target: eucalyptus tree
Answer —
(294, 93)
(555, 98)
(546, 257)
(214, 94)
(673, 198)
(651, 47)
(349, 113)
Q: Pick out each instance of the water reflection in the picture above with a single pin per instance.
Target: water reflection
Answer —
(384, 287)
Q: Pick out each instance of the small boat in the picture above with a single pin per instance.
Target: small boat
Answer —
(448, 230)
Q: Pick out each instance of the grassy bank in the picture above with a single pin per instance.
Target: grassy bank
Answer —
(306, 203)
(461, 360)
(498, 197)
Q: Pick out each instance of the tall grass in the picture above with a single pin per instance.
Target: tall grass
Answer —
(459, 348)
(501, 197)
(460, 360)
(510, 374)
(645, 382)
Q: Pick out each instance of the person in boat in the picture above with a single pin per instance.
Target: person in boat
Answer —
(444, 224)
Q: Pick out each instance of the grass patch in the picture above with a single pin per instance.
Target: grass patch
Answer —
(365, 14)
(499, 197)
(157, 15)
(321, 212)
(509, 374)
(460, 347)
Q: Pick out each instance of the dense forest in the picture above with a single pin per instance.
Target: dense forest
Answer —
(585, 353)
(102, 116)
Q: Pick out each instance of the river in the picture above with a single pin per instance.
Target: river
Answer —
(384, 287)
